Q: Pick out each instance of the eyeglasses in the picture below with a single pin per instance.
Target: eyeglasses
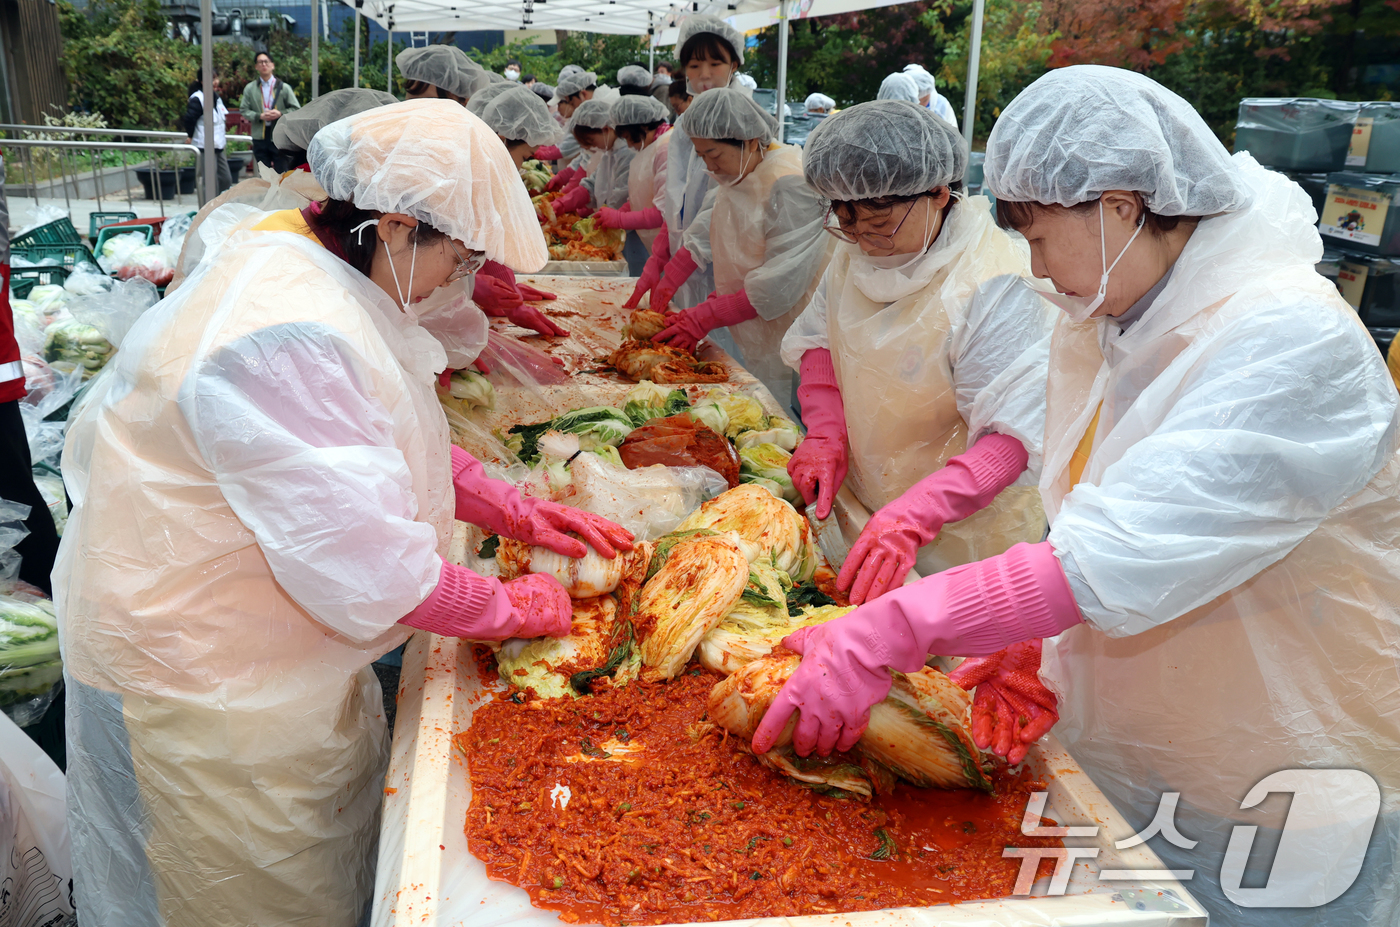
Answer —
(466, 266)
(881, 242)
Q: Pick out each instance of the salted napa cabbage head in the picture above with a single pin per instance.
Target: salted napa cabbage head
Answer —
(595, 425)
(780, 431)
(710, 414)
(768, 462)
(767, 526)
(745, 413)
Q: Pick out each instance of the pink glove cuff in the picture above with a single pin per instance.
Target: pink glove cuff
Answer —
(680, 267)
(464, 604)
(499, 271)
(993, 462)
(818, 369)
(646, 219)
(1016, 596)
(822, 410)
(548, 153)
(728, 309)
(661, 248)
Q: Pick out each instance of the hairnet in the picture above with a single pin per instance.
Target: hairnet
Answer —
(544, 91)
(519, 114)
(923, 80)
(590, 114)
(436, 162)
(637, 111)
(486, 94)
(819, 101)
(439, 65)
(295, 129)
(568, 69)
(882, 148)
(725, 113)
(633, 75)
(1081, 130)
(898, 87)
(692, 26)
(745, 80)
(578, 80)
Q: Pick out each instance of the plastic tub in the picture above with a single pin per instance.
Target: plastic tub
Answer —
(57, 232)
(1371, 286)
(1296, 134)
(1375, 145)
(586, 268)
(98, 219)
(1362, 212)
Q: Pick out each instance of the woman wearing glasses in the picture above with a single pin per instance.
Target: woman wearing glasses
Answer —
(274, 494)
(920, 310)
(768, 250)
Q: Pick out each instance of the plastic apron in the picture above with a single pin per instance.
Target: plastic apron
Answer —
(740, 240)
(1293, 666)
(892, 366)
(642, 192)
(227, 749)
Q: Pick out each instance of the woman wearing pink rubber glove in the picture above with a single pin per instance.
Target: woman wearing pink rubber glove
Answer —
(653, 271)
(592, 125)
(920, 312)
(638, 120)
(767, 248)
(498, 295)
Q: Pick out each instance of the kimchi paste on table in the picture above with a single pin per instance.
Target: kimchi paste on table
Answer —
(621, 808)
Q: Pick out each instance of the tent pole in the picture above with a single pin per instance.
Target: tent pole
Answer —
(210, 153)
(651, 42)
(973, 63)
(315, 51)
(782, 64)
(358, 4)
(389, 54)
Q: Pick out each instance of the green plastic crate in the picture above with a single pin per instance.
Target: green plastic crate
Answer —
(112, 231)
(57, 232)
(67, 255)
(25, 279)
(99, 219)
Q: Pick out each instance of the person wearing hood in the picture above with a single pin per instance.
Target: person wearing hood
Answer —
(268, 434)
(711, 52)
(929, 97)
(442, 72)
(921, 310)
(767, 243)
(1218, 594)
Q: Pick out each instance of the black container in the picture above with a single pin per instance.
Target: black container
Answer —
(1371, 286)
(167, 183)
(1296, 134)
(1362, 213)
(187, 179)
(1379, 124)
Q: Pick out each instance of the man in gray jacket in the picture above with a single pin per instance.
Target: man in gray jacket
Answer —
(265, 100)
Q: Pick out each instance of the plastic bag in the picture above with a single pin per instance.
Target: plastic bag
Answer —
(172, 236)
(30, 667)
(450, 316)
(49, 390)
(36, 870)
(520, 364)
(87, 280)
(48, 298)
(649, 501)
(50, 486)
(118, 249)
(113, 313)
(42, 215)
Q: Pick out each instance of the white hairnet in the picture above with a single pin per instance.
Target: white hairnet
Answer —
(638, 110)
(882, 148)
(1081, 130)
(590, 114)
(898, 87)
(544, 91)
(819, 102)
(439, 65)
(633, 75)
(519, 114)
(692, 26)
(568, 69)
(436, 162)
(296, 129)
(923, 80)
(575, 82)
(745, 80)
(486, 94)
(725, 113)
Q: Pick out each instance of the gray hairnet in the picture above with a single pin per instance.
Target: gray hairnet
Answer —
(578, 80)
(568, 69)
(520, 114)
(296, 129)
(1081, 130)
(439, 65)
(923, 80)
(692, 26)
(633, 75)
(898, 87)
(486, 94)
(819, 101)
(725, 113)
(590, 114)
(544, 91)
(637, 110)
(882, 148)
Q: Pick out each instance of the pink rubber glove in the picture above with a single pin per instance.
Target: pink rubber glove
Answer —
(689, 326)
(533, 293)
(818, 466)
(498, 506)
(483, 608)
(548, 153)
(974, 609)
(609, 218)
(585, 211)
(495, 296)
(498, 270)
(651, 273)
(965, 485)
(678, 271)
(1012, 708)
(572, 201)
(560, 180)
(532, 318)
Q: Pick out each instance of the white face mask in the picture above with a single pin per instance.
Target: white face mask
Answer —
(1080, 308)
(512, 74)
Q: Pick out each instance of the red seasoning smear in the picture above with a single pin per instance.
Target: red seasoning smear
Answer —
(665, 824)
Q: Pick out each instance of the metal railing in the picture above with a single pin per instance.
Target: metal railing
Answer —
(161, 142)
